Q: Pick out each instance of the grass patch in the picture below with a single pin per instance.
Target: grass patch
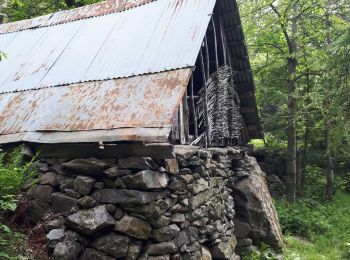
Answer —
(313, 230)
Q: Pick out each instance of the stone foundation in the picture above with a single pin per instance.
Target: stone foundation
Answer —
(194, 206)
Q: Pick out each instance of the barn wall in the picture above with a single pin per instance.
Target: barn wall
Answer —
(202, 204)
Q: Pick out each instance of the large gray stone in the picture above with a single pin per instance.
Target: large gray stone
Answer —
(84, 184)
(136, 163)
(125, 196)
(41, 192)
(62, 203)
(66, 250)
(91, 221)
(165, 233)
(90, 167)
(133, 227)
(252, 195)
(92, 254)
(112, 244)
(146, 180)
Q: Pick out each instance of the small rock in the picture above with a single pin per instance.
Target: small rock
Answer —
(99, 185)
(242, 229)
(178, 218)
(186, 236)
(87, 202)
(133, 227)
(165, 233)
(112, 244)
(92, 254)
(55, 234)
(48, 178)
(55, 223)
(159, 257)
(66, 251)
(149, 210)
(84, 184)
(111, 208)
(243, 242)
(114, 172)
(119, 184)
(199, 186)
(171, 166)
(177, 185)
(162, 221)
(118, 214)
(206, 254)
(224, 250)
(90, 167)
(162, 248)
(91, 221)
(72, 193)
(133, 252)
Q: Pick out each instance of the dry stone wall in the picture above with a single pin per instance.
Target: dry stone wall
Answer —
(141, 208)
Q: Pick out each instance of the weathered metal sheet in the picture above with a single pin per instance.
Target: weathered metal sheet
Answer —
(103, 8)
(134, 105)
(159, 36)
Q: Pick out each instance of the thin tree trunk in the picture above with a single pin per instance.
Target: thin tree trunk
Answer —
(291, 130)
(329, 159)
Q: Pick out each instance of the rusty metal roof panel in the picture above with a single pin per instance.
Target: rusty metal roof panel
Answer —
(140, 102)
(88, 11)
(158, 36)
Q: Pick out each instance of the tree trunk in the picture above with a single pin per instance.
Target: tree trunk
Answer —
(329, 159)
(329, 164)
(291, 130)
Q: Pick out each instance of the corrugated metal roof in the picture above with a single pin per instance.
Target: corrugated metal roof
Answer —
(140, 102)
(116, 69)
(93, 10)
(162, 35)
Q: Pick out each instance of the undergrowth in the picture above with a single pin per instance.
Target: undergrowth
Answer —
(313, 230)
(14, 172)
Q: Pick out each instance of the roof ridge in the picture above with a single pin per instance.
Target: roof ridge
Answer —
(73, 15)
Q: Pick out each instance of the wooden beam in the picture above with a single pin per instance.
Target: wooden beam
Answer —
(119, 150)
(193, 109)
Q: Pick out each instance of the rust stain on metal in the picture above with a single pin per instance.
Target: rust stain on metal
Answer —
(148, 101)
(98, 9)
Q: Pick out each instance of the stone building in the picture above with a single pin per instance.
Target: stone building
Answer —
(140, 110)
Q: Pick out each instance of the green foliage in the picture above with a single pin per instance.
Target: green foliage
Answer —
(14, 172)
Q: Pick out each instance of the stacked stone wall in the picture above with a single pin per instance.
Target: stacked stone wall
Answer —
(143, 208)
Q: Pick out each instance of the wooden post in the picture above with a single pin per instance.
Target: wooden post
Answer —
(215, 44)
(206, 114)
(181, 124)
(186, 118)
(207, 57)
(222, 36)
(193, 108)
